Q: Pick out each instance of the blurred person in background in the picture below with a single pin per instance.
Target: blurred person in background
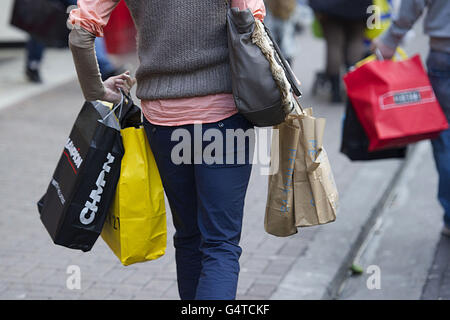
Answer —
(280, 21)
(343, 23)
(380, 21)
(437, 27)
(35, 51)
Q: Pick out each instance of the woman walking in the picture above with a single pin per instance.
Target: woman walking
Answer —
(183, 79)
(343, 23)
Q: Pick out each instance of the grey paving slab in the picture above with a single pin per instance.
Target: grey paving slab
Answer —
(403, 241)
(437, 285)
(14, 88)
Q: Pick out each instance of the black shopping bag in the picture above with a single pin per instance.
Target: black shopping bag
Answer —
(79, 195)
(355, 142)
(45, 20)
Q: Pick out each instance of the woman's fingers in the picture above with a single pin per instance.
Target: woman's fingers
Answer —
(125, 81)
(121, 82)
(112, 96)
(128, 79)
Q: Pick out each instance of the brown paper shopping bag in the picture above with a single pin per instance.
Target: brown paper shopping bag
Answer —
(302, 192)
(315, 192)
(279, 217)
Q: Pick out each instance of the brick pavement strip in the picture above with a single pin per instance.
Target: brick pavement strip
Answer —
(262, 291)
(140, 279)
(277, 267)
(172, 292)
(409, 220)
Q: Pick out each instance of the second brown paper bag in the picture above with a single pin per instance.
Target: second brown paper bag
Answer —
(302, 192)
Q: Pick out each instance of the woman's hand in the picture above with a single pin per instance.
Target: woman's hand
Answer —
(114, 84)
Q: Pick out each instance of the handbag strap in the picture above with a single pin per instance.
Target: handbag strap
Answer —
(287, 68)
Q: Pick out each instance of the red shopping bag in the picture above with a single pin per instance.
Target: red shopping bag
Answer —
(395, 102)
(120, 32)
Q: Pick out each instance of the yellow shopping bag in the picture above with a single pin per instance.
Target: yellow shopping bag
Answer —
(135, 228)
(400, 54)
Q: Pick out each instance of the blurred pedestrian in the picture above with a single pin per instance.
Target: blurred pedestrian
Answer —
(380, 22)
(281, 23)
(437, 27)
(343, 23)
(35, 51)
(184, 78)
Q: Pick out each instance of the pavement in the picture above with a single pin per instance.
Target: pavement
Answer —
(388, 222)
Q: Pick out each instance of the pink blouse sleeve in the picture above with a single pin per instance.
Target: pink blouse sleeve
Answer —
(92, 15)
(256, 6)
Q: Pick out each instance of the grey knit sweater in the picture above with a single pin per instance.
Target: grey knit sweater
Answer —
(182, 47)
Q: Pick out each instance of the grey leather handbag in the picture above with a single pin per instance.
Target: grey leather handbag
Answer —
(264, 87)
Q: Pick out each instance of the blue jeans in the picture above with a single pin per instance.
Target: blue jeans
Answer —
(207, 202)
(35, 49)
(438, 64)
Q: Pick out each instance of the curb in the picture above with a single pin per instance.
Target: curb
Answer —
(57, 70)
(333, 289)
(15, 98)
(319, 272)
